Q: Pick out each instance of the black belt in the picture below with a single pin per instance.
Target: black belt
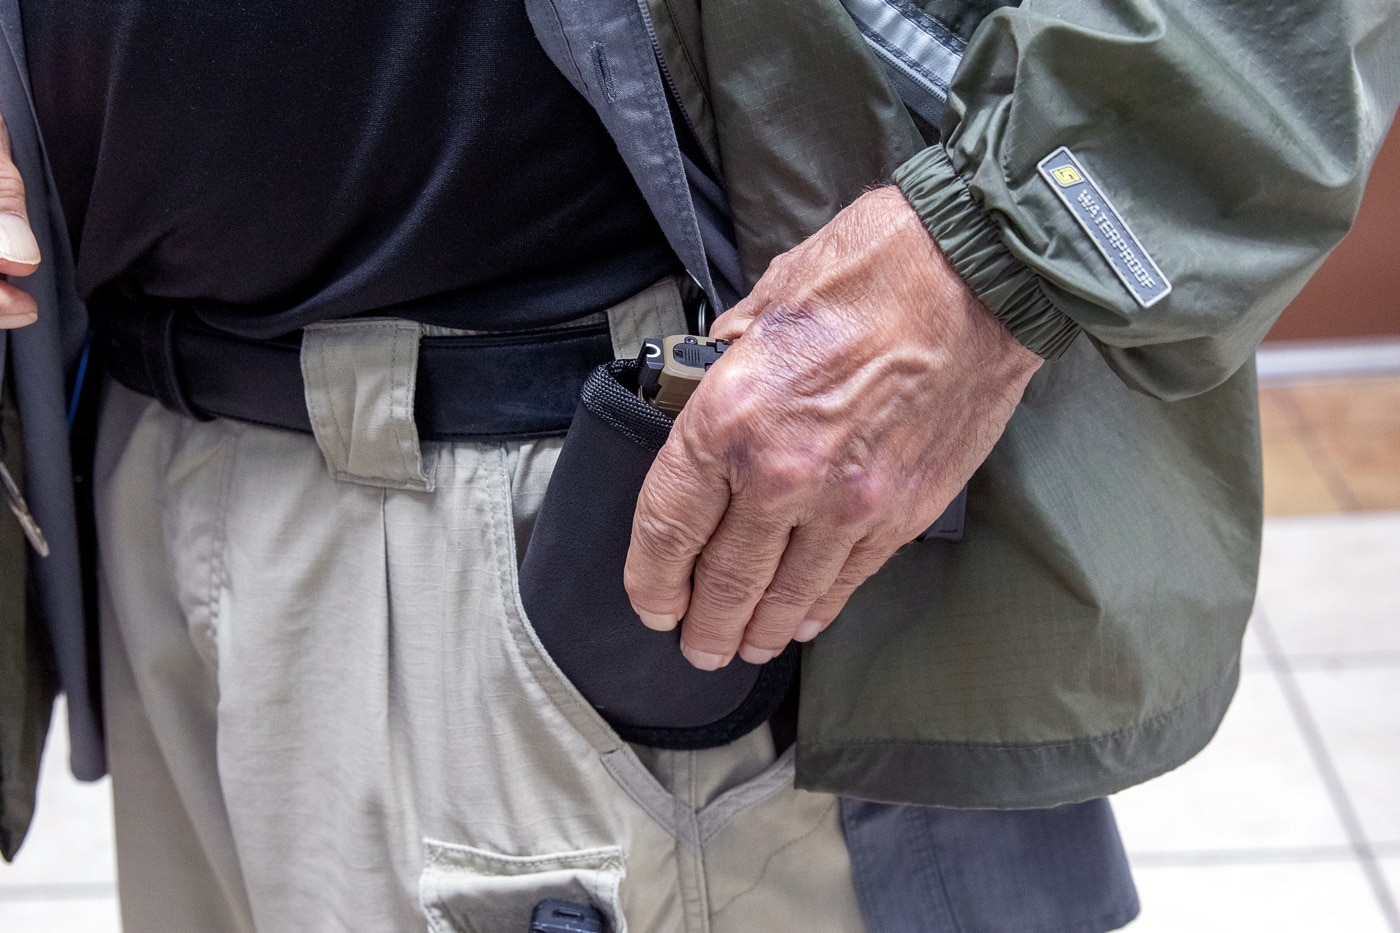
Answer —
(487, 387)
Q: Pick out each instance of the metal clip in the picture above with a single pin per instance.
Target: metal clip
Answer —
(15, 499)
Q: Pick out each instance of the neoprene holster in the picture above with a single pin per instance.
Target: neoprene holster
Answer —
(571, 587)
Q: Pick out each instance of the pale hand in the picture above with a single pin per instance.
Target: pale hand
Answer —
(867, 387)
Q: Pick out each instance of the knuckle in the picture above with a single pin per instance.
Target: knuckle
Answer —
(862, 499)
(779, 475)
(772, 626)
(790, 591)
(11, 186)
(850, 577)
(721, 588)
(709, 634)
(728, 400)
(643, 588)
(661, 536)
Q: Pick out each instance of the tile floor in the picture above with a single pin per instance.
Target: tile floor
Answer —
(1289, 822)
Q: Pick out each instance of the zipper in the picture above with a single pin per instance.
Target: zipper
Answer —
(667, 77)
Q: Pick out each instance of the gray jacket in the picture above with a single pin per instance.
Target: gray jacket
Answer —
(41, 359)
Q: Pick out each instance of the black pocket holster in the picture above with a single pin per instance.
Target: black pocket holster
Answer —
(571, 587)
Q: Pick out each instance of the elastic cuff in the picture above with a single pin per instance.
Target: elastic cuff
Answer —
(973, 246)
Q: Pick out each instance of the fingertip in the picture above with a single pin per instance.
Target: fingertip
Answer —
(18, 248)
(756, 655)
(657, 621)
(704, 660)
(808, 630)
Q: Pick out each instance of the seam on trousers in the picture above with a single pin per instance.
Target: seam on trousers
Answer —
(690, 874)
(860, 869)
(777, 777)
(580, 716)
(645, 791)
(218, 571)
(931, 847)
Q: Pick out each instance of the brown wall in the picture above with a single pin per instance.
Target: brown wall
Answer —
(1356, 293)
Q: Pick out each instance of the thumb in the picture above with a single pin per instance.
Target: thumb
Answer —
(19, 251)
(734, 323)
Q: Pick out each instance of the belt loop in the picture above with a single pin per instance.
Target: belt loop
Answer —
(360, 377)
(655, 311)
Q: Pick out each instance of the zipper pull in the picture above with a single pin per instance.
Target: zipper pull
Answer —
(15, 499)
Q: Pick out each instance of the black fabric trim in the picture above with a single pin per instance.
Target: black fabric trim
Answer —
(776, 680)
(611, 393)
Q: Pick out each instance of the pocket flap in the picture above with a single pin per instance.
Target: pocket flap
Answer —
(467, 890)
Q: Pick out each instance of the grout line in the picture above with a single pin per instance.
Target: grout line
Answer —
(1327, 770)
(1342, 660)
(1336, 483)
(75, 891)
(1168, 859)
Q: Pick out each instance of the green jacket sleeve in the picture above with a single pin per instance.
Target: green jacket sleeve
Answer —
(1233, 140)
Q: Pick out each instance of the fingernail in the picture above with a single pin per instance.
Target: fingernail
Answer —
(13, 319)
(661, 622)
(17, 243)
(703, 659)
(757, 655)
(808, 630)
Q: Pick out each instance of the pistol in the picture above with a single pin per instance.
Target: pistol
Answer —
(671, 367)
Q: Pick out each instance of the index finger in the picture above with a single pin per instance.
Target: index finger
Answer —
(679, 507)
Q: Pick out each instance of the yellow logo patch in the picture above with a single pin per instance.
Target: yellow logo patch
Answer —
(1067, 175)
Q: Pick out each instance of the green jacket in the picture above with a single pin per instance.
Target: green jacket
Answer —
(1085, 634)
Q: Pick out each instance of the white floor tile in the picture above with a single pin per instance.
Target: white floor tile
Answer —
(1317, 897)
(1253, 787)
(1358, 713)
(1253, 649)
(71, 839)
(98, 915)
(1390, 867)
(1331, 583)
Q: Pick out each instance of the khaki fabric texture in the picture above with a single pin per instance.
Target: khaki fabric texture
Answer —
(328, 712)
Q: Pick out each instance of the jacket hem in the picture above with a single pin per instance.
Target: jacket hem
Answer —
(1015, 776)
(970, 240)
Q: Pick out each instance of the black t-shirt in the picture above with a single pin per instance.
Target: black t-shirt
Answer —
(287, 162)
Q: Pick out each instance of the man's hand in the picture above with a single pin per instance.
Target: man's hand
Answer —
(19, 252)
(869, 384)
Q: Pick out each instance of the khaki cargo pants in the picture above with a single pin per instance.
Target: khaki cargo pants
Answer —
(327, 711)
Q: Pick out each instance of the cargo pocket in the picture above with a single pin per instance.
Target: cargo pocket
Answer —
(572, 592)
(467, 890)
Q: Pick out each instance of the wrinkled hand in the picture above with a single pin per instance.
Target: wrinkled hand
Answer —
(19, 253)
(867, 387)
